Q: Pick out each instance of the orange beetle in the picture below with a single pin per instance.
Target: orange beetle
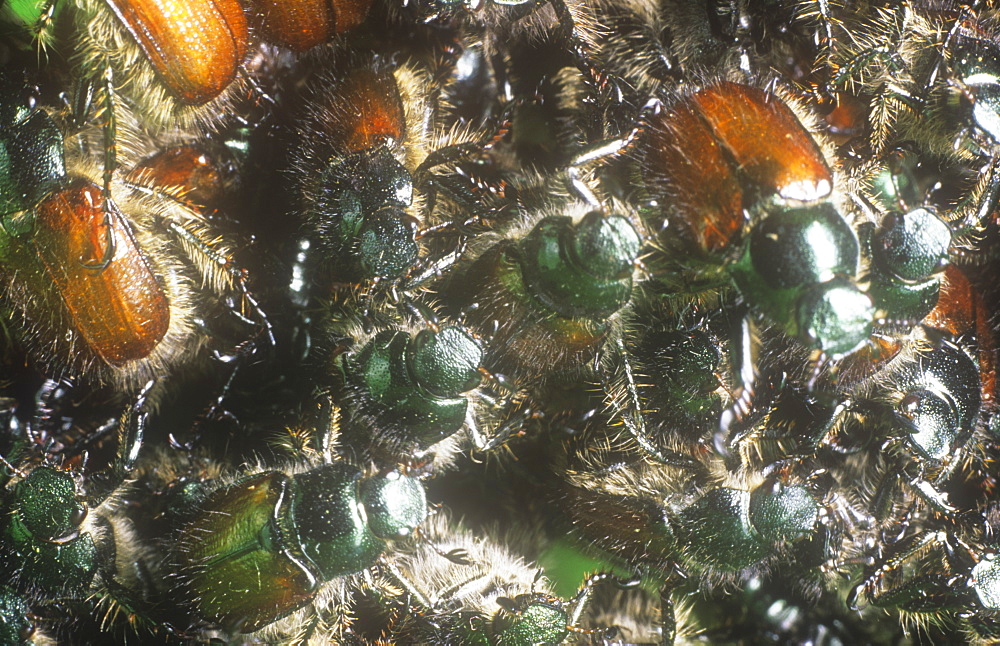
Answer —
(106, 282)
(713, 154)
(302, 24)
(194, 45)
(176, 61)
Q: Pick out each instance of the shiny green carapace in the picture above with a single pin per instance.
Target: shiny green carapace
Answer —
(260, 548)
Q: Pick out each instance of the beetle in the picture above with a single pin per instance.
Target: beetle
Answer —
(105, 285)
(285, 541)
(64, 536)
(494, 597)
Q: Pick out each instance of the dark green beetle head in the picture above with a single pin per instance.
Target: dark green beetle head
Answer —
(911, 246)
(15, 101)
(530, 620)
(360, 214)
(582, 270)
(42, 532)
(986, 581)
(835, 317)
(798, 269)
(15, 625)
(896, 185)
(606, 247)
(45, 503)
(395, 504)
(386, 243)
(445, 363)
(686, 359)
(908, 251)
(940, 399)
(796, 246)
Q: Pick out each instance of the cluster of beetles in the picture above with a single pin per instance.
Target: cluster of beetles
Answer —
(499, 322)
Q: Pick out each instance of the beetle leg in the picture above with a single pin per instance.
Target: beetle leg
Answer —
(603, 150)
(220, 268)
(635, 422)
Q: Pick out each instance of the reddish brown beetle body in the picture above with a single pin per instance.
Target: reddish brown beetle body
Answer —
(302, 24)
(195, 46)
(712, 155)
(180, 63)
(119, 309)
(110, 284)
(190, 172)
(961, 311)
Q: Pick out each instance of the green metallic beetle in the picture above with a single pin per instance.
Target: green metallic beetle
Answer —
(906, 252)
(802, 260)
(45, 536)
(276, 545)
(546, 301)
(742, 194)
(657, 519)
(974, 104)
(732, 529)
(924, 421)
(32, 156)
(934, 81)
(63, 536)
(684, 387)
(98, 277)
(409, 393)
(673, 365)
(17, 626)
(494, 598)
(936, 574)
(550, 301)
(368, 174)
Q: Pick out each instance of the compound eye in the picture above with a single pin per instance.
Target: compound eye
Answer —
(395, 504)
(836, 317)
(912, 246)
(783, 513)
(446, 363)
(986, 582)
(933, 421)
